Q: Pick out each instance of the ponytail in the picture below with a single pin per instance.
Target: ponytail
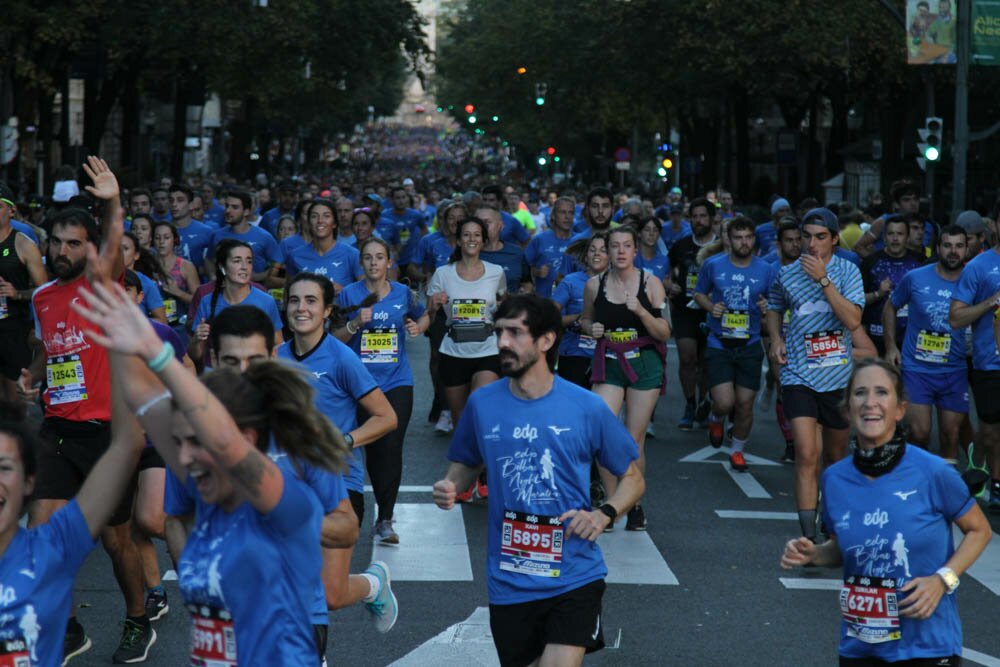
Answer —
(277, 400)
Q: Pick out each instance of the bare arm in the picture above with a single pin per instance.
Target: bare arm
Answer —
(339, 529)
(381, 418)
(889, 332)
(32, 258)
(801, 551)
(961, 314)
(589, 524)
(459, 476)
(587, 324)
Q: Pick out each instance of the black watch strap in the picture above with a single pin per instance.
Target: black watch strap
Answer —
(609, 510)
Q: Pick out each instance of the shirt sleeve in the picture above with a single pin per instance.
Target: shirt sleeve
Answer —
(294, 508)
(464, 447)
(561, 295)
(950, 495)
(354, 265)
(852, 289)
(901, 295)
(203, 306)
(271, 308)
(67, 531)
(776, 295)
(271, 250)
(151, 295)
(704, 284)
(354, 376)
(532, 252)
(177, 496)
(965, 292)
(324, 484)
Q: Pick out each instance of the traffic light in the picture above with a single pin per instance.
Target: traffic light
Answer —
(540, 90)
(522, 70)
(469, 108)
(542, 161)
(930, 139)
(667, 163)
(551, 150)
(472, 120)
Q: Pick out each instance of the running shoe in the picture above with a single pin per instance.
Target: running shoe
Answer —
(687, 421)
(715, 434)
(135, 644)
(465, 496)
(444, 424)
(701, 414)
(384, 534)
(738, 463)
(156, 603)
(636, 519)
(977, 478)
(789, 455)
(482, 488)
(384, 608)
(75, 642)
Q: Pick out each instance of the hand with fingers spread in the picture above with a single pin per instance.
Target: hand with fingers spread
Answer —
(105, 184)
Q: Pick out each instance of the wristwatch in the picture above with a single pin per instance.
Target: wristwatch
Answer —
(349, 439)
(609, 510)
(824, 281)
(951, 580)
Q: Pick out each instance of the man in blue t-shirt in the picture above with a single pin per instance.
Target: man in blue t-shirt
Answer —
(266, 253)
(402, 226)
(546, 252)
(733, 291)
(288, 197)
(974, 302)
(196, 237)
(513, 230)
(536, 435)
(767, 233)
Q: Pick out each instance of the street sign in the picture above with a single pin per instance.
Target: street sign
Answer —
(623, 155)
(623, 165)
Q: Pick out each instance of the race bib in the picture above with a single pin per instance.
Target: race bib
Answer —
(587, 343)
(868, 607)
(825, 349)
(531, 544)
(404, 236)
(213, 640)
(903, 312)
(692, 280)
(380, 346)
(736, 324)
(278, 294)
(4, 313)
(16, 652)
(170, 307)
(468, 311)
(933, 347)
(623, 336)
(64, 377)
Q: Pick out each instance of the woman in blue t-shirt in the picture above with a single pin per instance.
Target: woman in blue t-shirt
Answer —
(383, 314)
(252, 561)
(888, 511)
(576, 349)
(38, 565)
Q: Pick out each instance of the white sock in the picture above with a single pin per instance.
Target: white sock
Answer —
(375, 586)
(738, 445)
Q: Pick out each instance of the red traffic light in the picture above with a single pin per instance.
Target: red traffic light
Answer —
(551, 150)
(469, 108)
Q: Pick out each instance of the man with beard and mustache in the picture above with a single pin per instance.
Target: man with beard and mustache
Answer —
(933, 356)
(732, 290)
(76, 430)
(536, 435)
(881, 272)
(597, 212)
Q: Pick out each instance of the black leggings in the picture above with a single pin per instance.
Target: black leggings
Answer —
(384, 457)
(953, 661)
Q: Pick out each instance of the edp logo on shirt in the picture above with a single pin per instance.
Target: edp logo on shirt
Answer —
(877, 518)
(526, 432)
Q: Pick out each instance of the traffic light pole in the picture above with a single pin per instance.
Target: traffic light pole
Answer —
(961, 146)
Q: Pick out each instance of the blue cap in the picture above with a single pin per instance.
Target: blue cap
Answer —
(780, 202)
(823, 217)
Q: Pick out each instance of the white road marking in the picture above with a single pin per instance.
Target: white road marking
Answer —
(407, 489)
(979, 658)
(986, 569)
(467, 643)
(801, 584)
(433, 545)
(632, 558)
(742, 514)
(748, 484)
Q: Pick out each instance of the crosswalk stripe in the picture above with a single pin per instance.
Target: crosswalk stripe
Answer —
(986, 569)
(467, 643)
(742, 514)
(799, 584)
(748, 483)
(433, 545)
(632, 558)
(979, 658)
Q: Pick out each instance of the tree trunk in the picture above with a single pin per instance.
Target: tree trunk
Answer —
(741, 119)
(179, 134)
(812, 179)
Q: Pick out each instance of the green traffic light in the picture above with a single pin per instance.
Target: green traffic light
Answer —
(472, 120)
(496, 119)
(932, 153)
(539, 101)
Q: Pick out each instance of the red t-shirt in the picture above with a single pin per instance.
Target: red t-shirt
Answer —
(78, 379)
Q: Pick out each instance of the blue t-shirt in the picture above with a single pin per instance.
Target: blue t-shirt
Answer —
(265, 248)
(421, 255)
(340, 381)
(25, 229)
(151, 297)
(439, 252)
(341, 263)
(214, 215)
(930, 345)
(851, 256)
(38, 570)
(772, 257)
(980, 280)
(404, 228)
(739, 288)
(381, 344)
(659, 266)
(546, 249)
(537, 455)
(196, 243)
(818, 346)
(256, 297)
(513, 231)
(290, 243)
(180, 499)
(767, 236)
(260, 571)
(898, 527)
(569, 295)
(511, 259)
(269, 221)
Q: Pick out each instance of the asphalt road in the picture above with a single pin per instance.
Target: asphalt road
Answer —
(707, 589)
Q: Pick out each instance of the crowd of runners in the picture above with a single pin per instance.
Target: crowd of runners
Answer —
(221, 366)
